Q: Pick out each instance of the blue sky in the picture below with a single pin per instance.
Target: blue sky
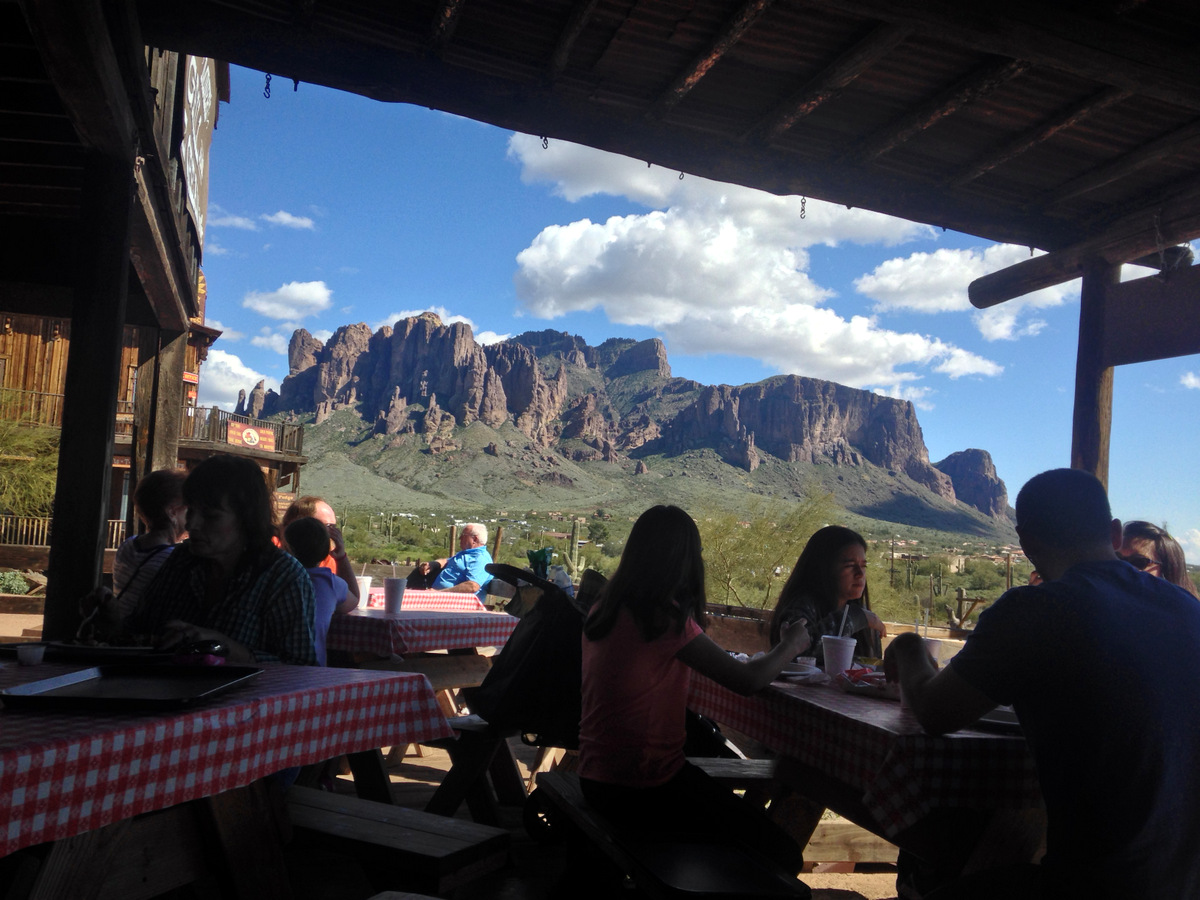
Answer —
(327, 209)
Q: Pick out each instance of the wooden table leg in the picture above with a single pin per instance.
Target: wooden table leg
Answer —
(133, 859)
(470, 758)
(506, 776)
(246, 830)
(371, 781)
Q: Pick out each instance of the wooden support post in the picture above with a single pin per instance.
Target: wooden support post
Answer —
(90, 394)
(165, 402)
(1093, 380)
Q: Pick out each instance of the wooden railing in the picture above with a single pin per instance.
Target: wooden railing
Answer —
(41, 408)
(34, 531)
(196, 423)
(31, 408)
(205, 424)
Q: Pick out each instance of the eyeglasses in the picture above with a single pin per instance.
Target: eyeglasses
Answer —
(1139, 561)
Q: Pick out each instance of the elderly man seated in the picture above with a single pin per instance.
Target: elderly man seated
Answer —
(1097, 662)
(465, 571)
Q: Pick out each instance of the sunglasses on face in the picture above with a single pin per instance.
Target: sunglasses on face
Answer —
(1139, 561)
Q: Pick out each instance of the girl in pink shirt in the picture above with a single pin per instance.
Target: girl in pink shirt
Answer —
(641, 641)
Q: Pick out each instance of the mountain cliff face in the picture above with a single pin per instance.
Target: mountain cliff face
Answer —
(976, 482)
(619, 399)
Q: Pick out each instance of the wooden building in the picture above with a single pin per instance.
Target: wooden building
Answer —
(33, 362)
(1073, 128)
(103, 198)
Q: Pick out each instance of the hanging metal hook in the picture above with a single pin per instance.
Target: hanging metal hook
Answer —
(267, 87)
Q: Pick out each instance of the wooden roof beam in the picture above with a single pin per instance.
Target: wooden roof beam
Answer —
(830, 82)
(741, 22)
(1105, 52)
(1173, 219)
(1184, 138)
(580, 16)
(1068, 118)
(445, 20)
(74, 44)
(381, 74)
(982, 81)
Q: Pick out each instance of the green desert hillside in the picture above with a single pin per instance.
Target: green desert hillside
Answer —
(499, 469)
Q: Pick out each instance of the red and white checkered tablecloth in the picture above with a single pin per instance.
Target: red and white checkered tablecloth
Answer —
(876, 747)
(447, 601)
(63, 773)
(417, 631)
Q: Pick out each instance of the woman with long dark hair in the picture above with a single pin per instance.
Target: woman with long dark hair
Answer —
(1153, 550)
(228, 583)
(827, 587)
(641, 641)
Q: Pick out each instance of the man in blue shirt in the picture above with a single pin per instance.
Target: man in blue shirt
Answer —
(465, 571)
(1096, 662)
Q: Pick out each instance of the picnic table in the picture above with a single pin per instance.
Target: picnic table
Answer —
(868, 759)
(72, 777)
(447, 601)
(387, 635)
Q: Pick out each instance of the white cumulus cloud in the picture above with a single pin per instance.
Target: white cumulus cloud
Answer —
(491, 337)
(287, 220)
(447, 317)
(937, 283)
(719, 269)
(219, 218)
(1190, 541)
(222, 375)
(227, 334)
(294, 299)
(1190, 380)
(271, 340)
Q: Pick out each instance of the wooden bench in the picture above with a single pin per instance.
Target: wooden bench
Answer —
(738, 774)
(669, 869)
(482, 772)
(755, 777)
(402, 847)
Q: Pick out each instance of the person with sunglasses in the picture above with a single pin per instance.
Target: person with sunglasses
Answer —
(1154, 551)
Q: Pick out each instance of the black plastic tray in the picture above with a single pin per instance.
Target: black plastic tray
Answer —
(62, 651)
(127, 688)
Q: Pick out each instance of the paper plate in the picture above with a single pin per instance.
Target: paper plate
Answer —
(796, 670)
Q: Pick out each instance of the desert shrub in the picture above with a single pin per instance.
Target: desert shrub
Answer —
(28, 468)
(13, 583)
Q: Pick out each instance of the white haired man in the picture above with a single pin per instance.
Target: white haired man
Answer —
(465, 571)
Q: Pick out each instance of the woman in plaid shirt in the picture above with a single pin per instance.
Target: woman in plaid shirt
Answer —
(228, 582)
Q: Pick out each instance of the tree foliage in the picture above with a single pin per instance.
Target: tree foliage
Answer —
(748, 555)
(28, 468)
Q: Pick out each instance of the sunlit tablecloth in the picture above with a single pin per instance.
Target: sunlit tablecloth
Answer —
(62, 773)
(446, 601)
(394, 634)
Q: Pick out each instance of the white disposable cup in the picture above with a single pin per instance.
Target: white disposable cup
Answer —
(393, 593)
(30, 654)
(934, 646)
(839, 653)
(364, 589)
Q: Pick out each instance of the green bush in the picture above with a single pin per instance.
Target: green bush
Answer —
(13, 583)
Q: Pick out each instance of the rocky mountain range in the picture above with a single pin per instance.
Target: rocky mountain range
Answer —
(618, 400)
